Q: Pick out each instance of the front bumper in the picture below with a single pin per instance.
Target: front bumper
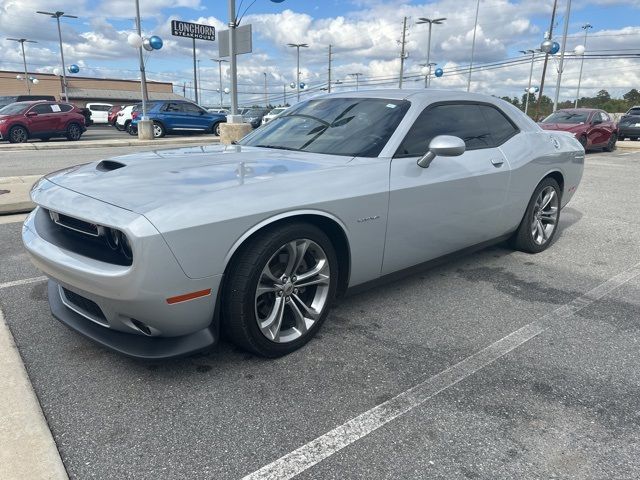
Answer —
(136, 346)
(128, 303)
(628, 131)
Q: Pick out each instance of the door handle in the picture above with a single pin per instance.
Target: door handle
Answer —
(497, 162)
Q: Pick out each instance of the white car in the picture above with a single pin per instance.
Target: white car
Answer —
(124, 118)
(224, 111)
(272, 114)
(99, 112)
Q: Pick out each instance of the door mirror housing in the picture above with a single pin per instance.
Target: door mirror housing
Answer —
(442, 146)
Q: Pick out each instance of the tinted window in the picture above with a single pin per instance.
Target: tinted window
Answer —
(500, 127)
(634, 111)
(335, 126)
(190, 108)
(42, 109)
(464, 121)
(566, 116)
(65, 107)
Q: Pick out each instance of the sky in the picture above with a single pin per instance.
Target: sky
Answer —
(364, 35)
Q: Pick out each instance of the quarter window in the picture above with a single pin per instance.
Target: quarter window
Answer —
(463, 120)
(65, 107)
(500, 127)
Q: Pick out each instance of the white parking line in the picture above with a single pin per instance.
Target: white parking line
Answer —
(24, 281)
(340, 437)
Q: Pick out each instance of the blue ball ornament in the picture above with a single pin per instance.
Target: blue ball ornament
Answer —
(555, 48)
(439, 72)
(73, 68)
(277, 1)
(156, 42)
(302, 85)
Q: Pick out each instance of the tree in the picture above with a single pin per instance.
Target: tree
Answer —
(603, 95)
(632, 97)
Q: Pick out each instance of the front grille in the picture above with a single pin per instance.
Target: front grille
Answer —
(86, 307)
(75, 224)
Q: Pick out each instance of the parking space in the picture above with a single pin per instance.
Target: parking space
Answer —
(557, 399)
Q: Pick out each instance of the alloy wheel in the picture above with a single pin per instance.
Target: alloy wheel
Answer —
(157, 130)
(292, 291)
(74, 132)
(545, 215)
(19, 135)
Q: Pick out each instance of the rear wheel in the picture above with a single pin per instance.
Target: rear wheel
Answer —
(158, 130)
(633, 139)
(611, 145)
(74, 132)
(279, 289)
(540, 221)
(18, 134)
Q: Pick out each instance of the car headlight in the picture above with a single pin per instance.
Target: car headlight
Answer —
(3, 121)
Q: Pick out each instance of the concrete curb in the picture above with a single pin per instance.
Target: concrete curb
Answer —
(133, 142)
(16, 199)
(28, 449)
(628, 145)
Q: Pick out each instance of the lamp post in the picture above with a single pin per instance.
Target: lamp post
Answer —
(24, 60)
(57, 16)
(266, 94)
(533, 54)
(586, 28)
(357, 75)
(473, 45)
(298, 46)
(426, 70)
(567, 14)
(431, 22)
(220, 62)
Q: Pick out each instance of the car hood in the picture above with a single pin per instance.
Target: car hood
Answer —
(143, 182)
(565, 127)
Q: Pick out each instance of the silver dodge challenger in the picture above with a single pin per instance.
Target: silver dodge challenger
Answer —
(157, 254)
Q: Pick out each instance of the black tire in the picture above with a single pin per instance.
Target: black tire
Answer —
(18, 134)
(158, 130)
(611, 144)
(633, 139)
(239, 320)
(132, 130)
(523, 238)
(215, 129)
(74, 132)
(583, 141)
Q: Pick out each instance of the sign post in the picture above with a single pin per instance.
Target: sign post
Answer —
(193, 31)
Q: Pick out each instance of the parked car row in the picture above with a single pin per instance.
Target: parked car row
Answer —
(21, 121)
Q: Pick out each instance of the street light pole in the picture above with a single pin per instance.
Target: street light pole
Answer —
(586, 28)
(24, 60)
(567, 13)
(329, 71)
(220, 61)
(533, 54)
(473, 45)
(57, 16)
(266, 94)
(143, 75)
(431, 22)
(298, 46)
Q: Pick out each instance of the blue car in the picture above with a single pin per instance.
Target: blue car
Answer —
(175, 116)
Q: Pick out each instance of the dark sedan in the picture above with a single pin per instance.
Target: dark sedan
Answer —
(629, 126)
(593, 128)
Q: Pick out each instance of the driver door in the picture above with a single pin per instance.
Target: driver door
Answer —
(456, 202)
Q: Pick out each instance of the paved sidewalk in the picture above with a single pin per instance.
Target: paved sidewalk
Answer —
(14, 194)
(119, 142)
(28, 450)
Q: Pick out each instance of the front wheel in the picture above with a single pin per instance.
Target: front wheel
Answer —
(611, 145)
(158, 130)
(18, 135)
(74, 132)
(279, 289)
(540, 221)
(216, 129)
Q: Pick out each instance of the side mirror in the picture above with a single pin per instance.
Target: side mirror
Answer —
(32, 114)
(442, 146)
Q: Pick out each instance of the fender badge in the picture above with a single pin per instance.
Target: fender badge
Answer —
(367, 219)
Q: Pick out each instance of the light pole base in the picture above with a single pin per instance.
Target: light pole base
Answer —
(232, 132)
(145, 130)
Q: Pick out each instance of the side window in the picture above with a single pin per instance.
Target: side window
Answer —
(604, 116)
(190, 108)
(42, 109)
(500, 127)
(65, 107)
(171, 107)
(464, 121)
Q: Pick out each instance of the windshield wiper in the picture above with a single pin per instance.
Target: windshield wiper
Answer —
(278, 147)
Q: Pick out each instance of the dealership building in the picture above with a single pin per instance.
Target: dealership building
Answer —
(83, 90)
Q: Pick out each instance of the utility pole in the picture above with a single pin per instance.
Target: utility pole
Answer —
(357, 75)
(473, 45)
(329, 71)
(533, 54)
(57, 16)
(184, 89)
(284, 94)
(402, 52)
(546, 58)
(586, 28)
(220, 62)
(297, 47)
(567, 13)
(266, 94)
(234, 117)
(24, 60)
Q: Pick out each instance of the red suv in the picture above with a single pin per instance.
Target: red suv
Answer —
(112, 115)
(593, 128)
(21, 121)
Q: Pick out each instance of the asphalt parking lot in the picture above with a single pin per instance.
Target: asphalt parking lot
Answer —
(496, 365)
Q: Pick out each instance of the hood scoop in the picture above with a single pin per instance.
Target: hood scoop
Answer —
(109, 165)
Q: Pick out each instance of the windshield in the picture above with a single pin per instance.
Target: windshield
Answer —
(566, 117)
(634, 111)
(14, 108)
(335, 126)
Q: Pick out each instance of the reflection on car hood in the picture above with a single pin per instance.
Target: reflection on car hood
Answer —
(145, 181)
